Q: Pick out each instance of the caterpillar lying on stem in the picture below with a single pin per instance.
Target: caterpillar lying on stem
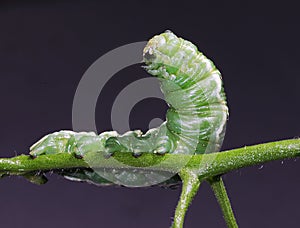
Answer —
(195, 121)
(195, 124)
(185, 147)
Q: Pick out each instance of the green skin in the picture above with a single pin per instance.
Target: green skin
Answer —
(195, 122)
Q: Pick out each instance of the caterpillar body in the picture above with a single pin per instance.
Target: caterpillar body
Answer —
(195, 121)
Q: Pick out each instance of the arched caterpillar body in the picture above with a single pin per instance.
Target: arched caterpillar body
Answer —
(195, 121)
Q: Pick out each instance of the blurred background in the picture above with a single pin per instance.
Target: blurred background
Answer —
(45, 48)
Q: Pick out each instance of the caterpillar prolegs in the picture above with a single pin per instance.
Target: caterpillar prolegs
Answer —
(195, 121)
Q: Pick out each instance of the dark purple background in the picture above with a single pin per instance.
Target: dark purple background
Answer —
(46, 47)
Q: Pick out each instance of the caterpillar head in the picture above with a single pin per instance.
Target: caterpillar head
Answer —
(158, 52)
(164, 54)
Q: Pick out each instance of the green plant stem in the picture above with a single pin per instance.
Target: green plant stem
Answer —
(193, 169)
(190, 186)
(205, 166)
(219, 190)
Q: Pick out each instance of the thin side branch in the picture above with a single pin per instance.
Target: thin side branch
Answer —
(190, 186)
(220, 192)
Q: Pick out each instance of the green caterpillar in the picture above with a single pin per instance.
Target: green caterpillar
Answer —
(195, 121)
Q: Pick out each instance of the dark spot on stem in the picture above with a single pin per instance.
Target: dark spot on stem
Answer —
(32, 156)
(136, 155)
(108, 155)
(78, 156)
(160, 154)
